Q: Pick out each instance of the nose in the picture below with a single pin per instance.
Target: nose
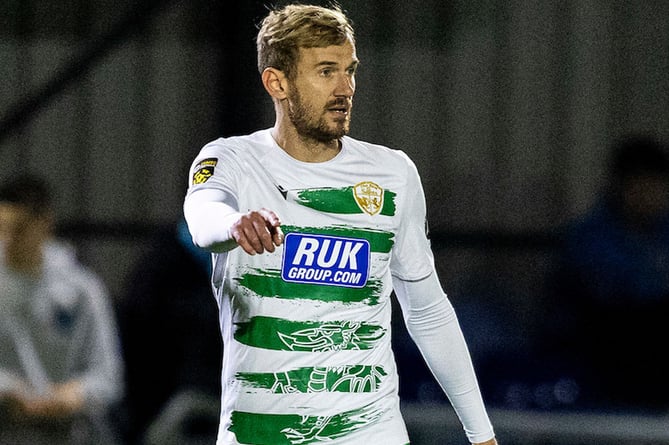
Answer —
(346, 86)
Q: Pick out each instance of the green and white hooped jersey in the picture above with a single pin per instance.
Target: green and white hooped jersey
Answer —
(306, 329)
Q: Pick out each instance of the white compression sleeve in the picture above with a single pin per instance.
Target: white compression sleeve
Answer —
(434, 327)
(210, 214)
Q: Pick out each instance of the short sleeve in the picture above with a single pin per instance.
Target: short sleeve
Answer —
(215, 167)
(412, 257)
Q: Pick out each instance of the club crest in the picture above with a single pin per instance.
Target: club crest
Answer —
(368, 196)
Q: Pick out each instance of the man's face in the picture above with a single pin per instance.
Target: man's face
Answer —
(22, 233)
(321, 94)
(13, 218)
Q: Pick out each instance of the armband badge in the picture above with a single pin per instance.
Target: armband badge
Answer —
(204, 170)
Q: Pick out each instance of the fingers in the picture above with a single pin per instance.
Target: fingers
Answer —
(258, 231)
(277, 235)
(62, 401)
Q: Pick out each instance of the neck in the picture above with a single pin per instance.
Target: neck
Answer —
(304, 148)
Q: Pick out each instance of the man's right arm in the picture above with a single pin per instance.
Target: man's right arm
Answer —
(217, 226)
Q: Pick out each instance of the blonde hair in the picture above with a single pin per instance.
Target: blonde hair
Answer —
(284, 31)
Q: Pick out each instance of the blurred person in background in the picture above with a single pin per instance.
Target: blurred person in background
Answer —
(613, 285)
(60, 364)
(172, 346)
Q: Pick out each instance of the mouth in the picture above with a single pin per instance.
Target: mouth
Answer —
(342, 109)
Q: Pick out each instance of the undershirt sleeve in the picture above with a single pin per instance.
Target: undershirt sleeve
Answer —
(210, 213)
(432, 324)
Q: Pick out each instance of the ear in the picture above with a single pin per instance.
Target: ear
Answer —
(275, 82)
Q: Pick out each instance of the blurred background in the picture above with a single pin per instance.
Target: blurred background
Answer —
(509, 109)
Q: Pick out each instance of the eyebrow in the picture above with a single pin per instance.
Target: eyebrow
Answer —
(355, 63)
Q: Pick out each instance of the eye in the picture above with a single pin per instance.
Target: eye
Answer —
(327, 72)
(351, 71)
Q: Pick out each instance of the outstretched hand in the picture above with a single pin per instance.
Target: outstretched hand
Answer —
(257, 231)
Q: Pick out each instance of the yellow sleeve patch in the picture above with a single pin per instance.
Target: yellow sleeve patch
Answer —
(204, 170)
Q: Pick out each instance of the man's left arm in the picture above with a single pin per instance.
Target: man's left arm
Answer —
(432, 323)
(101, 384)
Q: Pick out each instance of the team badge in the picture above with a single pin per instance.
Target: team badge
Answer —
(204, 170)
(368, 196)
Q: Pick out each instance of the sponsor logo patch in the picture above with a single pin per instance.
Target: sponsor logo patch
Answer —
(204, 170)
(369, 197)
(329, 260)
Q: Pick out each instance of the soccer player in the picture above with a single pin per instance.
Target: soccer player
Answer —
(311, 231)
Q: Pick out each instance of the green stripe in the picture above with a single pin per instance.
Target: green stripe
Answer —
(293, 429)
(352, 378)
(286, 335)
(268, 283)
(379, 240)
(340, 200)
